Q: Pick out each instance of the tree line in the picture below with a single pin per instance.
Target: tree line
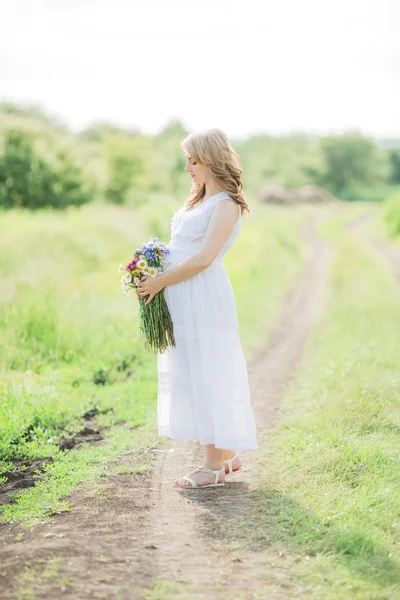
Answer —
(42, 163)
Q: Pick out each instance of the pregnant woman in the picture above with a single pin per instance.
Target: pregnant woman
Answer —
(203, 390)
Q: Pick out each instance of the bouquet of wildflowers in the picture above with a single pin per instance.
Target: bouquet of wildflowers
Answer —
(155, 321)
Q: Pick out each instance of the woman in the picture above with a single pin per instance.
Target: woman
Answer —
(203, 385)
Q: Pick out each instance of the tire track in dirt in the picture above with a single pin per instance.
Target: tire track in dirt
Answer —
(187, 526)
(131, 529)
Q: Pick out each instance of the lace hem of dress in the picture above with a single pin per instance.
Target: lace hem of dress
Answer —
(205, 440)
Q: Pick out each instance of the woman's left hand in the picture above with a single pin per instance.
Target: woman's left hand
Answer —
(149, 286)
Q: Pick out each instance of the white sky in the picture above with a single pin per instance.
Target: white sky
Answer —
(246, 66)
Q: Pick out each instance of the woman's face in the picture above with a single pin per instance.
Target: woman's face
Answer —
(198, 173)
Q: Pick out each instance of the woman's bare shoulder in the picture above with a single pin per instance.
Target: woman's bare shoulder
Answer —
(226, 208)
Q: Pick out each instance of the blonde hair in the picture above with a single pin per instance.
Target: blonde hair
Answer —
(212, 148)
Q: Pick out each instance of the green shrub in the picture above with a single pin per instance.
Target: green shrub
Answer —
(37, 171)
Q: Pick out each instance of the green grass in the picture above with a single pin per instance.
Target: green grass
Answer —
(170, 590)
(262, 266)
(384, 221)
(391, 214)
(70, 338)
(329, 491)
(72, 468)
(328, 498)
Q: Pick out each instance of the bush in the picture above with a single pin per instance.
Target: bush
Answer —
(352, 163)
(35, 171)
(363, 193)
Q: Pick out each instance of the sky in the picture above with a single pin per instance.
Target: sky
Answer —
(246, 66)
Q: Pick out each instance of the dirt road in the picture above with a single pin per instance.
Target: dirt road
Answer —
(133, 529)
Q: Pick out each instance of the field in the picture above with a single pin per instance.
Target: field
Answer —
(317, 514)
(70, 341)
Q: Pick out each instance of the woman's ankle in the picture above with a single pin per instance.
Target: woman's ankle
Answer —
(228, 454)
(213, 458)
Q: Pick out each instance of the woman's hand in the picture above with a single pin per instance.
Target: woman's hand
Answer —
(149, 286)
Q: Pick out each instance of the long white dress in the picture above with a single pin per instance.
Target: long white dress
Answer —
(203, 390)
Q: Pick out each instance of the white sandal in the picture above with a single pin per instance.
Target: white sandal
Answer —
(193, 484)
(229, 462)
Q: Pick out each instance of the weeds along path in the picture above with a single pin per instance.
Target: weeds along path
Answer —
(130, 537)
(391, 253)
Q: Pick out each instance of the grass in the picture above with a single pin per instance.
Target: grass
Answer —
(170, 590)
(329, 491)
(262, 266)
(48, 496)
(328, 498)
(69, 337)
(391, 214)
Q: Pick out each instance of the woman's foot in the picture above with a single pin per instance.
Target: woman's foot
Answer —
(201, 477)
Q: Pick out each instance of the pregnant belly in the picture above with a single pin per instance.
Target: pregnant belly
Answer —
(197, 302)
(180, 251)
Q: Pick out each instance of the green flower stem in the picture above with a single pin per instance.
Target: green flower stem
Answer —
(156, 327)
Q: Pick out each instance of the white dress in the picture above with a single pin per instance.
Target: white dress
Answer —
(203, 390)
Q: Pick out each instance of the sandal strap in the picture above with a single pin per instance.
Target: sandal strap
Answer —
(211, 471)
(216, 473)
(229, 462)
(191, 481)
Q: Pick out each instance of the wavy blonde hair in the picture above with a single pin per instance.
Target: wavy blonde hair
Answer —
(212, 148)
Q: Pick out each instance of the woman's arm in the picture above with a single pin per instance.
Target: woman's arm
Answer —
(222, 220)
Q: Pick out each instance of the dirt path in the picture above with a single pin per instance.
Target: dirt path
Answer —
(132, 529)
